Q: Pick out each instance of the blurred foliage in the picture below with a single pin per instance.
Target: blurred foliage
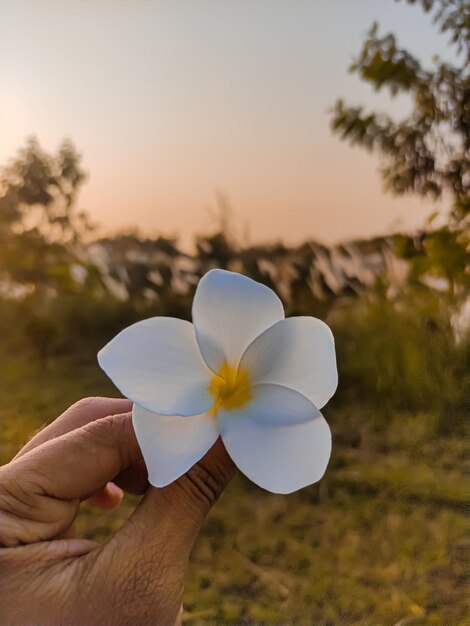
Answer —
(451, 16)
(47, 184)
(390, 347)
(428, 152)
(396, 356)
(41, 228)
(442, 253)
(402, 355)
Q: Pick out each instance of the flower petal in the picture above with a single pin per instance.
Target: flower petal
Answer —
(280, 459)
(229, 311)
(299, 353)
(171, 445)
(275, 405)
(157, 364)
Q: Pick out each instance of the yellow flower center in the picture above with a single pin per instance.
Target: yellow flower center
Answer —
(231, 388)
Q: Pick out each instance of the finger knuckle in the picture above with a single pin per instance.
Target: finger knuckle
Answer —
(99, 433)
(205, 485)
(16, 496)
(106, 428)
(111, 430)
(86, 404)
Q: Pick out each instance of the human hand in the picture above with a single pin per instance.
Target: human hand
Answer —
(137, 577)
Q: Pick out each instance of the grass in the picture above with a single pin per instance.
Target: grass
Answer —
(380, 540)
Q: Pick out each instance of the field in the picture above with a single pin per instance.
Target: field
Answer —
(379, 541)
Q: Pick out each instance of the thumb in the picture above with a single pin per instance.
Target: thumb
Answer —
(185, 503)
(156, 542)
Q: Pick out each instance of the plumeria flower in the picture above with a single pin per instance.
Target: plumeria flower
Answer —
(241, 371)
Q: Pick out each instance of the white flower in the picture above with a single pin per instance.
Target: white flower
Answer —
(241, 371)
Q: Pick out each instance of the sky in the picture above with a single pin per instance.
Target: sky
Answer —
(171, 102)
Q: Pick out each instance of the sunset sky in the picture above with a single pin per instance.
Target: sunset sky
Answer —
(170, 101)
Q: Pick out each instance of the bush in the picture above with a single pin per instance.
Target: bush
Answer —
(401, 355)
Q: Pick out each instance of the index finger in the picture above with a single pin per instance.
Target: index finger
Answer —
(82, 412)
(44, 487)
(79, 463)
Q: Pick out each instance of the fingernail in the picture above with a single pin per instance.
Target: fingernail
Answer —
(114, 490)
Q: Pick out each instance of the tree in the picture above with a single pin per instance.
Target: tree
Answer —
(39, 191)
(51, 294)
(40, 225)
(427, 153)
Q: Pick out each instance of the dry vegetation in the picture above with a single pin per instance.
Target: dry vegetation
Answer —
(379, 541)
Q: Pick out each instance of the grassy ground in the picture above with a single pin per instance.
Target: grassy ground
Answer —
(379, 541)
